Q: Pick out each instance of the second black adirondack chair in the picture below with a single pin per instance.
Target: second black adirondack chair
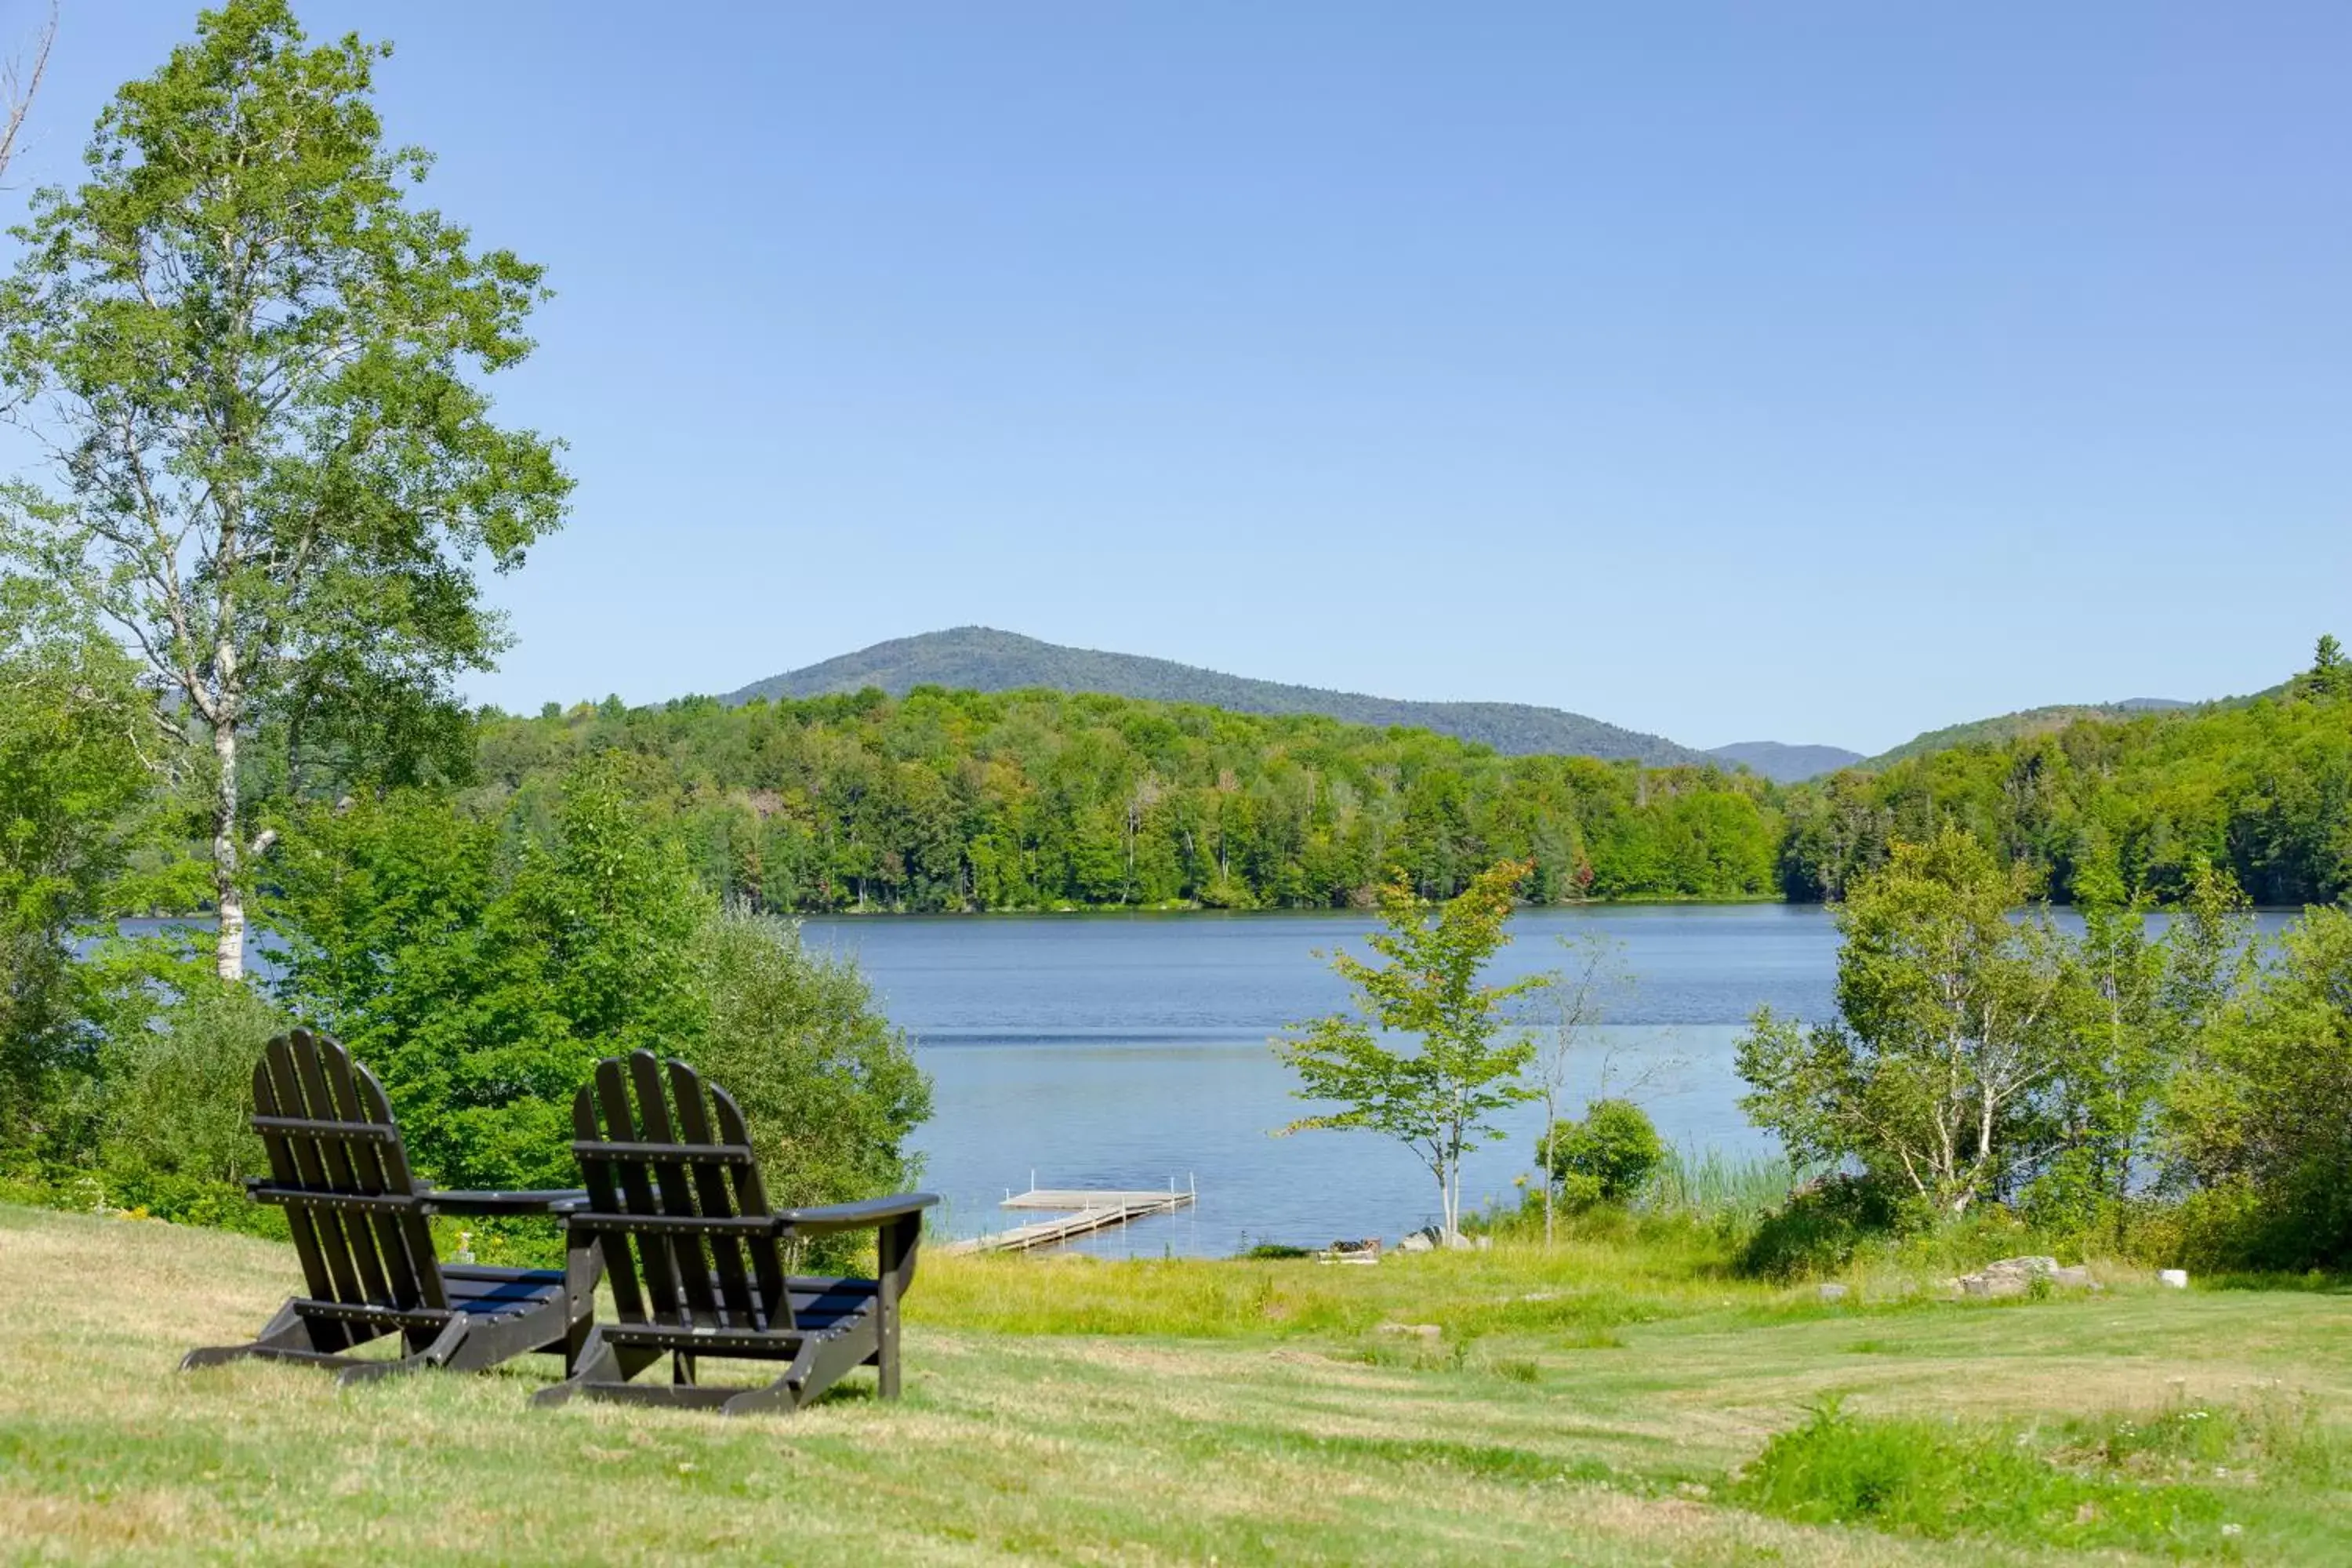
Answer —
(369, 1266)
(695, 1256)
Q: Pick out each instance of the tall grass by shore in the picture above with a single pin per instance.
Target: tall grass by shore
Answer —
(1713, 1186)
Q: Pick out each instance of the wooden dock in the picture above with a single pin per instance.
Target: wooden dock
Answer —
(1078, 1211)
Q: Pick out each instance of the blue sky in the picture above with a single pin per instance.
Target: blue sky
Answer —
(1816, 371)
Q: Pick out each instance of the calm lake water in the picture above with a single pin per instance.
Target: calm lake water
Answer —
(1131, 1051)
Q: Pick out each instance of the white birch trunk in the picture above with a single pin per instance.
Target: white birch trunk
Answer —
(228, 954)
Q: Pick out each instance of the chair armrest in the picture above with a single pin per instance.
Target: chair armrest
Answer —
(865, 1215)
(552, 1201)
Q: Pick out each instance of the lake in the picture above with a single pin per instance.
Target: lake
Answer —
(1131, 1050)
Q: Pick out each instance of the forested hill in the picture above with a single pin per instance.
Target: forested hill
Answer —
(957, 800)
(2262, 786)
(978, 658)
(954, 800)
(2003, 727)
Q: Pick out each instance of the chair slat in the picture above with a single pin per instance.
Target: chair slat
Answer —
(399, 1179)
(659, 1263)
(596, 1174)
(767, 1256)
(734, 1289)
(675, 1188)
(335, 1158)
(332, 1243)
(367, 1165)
(282, 1170)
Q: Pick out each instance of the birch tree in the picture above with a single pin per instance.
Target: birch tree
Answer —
(255, 365)
(1437, 1099)
(1951, 1023)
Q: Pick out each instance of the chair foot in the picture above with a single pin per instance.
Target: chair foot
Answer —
(437, 1353)
(286, 1331)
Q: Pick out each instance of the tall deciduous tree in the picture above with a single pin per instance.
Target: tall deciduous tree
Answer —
(256, 365)
(1436, 1100)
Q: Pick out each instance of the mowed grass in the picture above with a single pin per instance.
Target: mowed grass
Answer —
(1596, 1406)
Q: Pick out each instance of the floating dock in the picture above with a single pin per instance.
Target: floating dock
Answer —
(1079, 1211)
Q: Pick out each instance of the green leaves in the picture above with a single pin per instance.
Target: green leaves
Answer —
(482, 965)
(260, 364)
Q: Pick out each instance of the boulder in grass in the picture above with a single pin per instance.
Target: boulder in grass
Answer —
(2009, 1277)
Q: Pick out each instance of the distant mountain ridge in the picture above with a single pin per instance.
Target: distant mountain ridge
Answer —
(1784, 764)
(981, 658)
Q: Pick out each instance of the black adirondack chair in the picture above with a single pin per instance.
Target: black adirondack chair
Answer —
(695, 1256)
(338, 1166)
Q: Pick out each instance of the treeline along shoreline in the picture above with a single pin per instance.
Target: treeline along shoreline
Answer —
(944, 801)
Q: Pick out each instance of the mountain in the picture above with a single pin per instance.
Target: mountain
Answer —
(979, 658)
(1782, 762)
(2028, 722)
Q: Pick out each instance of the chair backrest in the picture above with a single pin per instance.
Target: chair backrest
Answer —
(339, 1168)
(682, 1214)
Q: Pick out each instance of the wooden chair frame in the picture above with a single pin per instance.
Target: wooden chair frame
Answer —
(696, 1260)
(360, 1226)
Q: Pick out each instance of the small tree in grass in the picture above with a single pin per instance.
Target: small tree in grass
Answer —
(1607, 1157)
(1435, 1100)
(1577, 996)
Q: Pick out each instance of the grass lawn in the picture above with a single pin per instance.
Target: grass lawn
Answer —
(1594, 1404)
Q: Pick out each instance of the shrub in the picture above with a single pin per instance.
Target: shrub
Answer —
(173, 1136)
(1607, 1156)
(2266, 1114)
(1819, 1228)
(828, 1084)
(482, 965)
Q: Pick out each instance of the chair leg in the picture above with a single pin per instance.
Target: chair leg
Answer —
(596, 1362)
(820, 1364)
(437, 1353)
(285, 1331)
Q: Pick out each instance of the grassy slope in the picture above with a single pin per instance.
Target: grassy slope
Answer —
(1184, 1412)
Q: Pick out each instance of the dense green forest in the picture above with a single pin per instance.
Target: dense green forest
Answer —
(2262, 789)
(957, 800)
(953, 800)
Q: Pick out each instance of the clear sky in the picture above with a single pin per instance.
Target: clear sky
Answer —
(1810, 372)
